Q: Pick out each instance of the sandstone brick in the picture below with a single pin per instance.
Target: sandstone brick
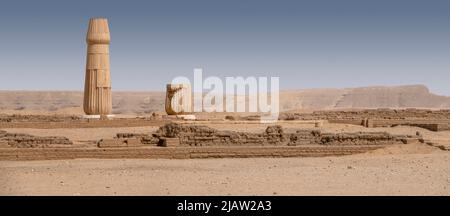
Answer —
(111, 143)
(170, 142)
(133, 142)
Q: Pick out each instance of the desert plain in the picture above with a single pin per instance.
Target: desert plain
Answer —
(363, 162)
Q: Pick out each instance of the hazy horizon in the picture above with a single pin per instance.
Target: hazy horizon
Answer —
(205, 91)
(308, 44)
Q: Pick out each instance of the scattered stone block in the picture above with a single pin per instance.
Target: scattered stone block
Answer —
(170, 142)
(111, 143)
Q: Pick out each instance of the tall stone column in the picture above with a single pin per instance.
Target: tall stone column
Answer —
(178, 99)
(97, 89)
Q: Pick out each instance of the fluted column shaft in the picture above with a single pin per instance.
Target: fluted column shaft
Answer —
(97, 90)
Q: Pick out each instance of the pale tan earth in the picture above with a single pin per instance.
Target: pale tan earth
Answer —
(411, 169)
(415, 169)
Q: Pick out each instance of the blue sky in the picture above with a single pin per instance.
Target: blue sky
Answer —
(308, 44)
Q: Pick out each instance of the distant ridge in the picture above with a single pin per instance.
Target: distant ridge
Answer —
(409, 96)
(70, 102)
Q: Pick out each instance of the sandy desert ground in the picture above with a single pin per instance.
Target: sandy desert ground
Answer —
(411, 169)
(414, 169)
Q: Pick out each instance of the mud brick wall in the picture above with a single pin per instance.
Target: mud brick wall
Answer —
(369, 113)
(28, 141)
(206, 136)
(429, 119)
(367, 138)
(120, 142)
(433, 127)
(147, 139)
(181, 153)
(305, 137)
(81, 123)
(37, 118)
(273, 136)
(316, 137)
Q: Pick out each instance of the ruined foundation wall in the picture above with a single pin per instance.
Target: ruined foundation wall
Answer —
(181, 153)
(19, 140)
(36, 118)
(389, 114)
(57, 121)
(146, 139)
(432, 120)
(274, 135)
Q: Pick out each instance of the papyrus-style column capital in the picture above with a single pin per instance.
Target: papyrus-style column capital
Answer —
(97, 90)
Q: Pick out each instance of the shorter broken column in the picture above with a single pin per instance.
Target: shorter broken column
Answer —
(178, 99)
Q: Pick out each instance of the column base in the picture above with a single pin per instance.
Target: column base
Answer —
(97, 116)
(186, 117)
(91, 117)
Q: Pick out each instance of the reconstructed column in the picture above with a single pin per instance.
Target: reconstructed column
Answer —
(97, 89)
(178, 99)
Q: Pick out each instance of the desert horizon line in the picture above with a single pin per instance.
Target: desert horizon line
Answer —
(162, 90)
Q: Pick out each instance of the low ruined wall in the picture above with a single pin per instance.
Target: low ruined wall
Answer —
(274, 135)
(205, 136)
(432, 120)
(388, 114)
(146, 139)
(181, 152)
(28, 141)
(37, 118)
(83, 123)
